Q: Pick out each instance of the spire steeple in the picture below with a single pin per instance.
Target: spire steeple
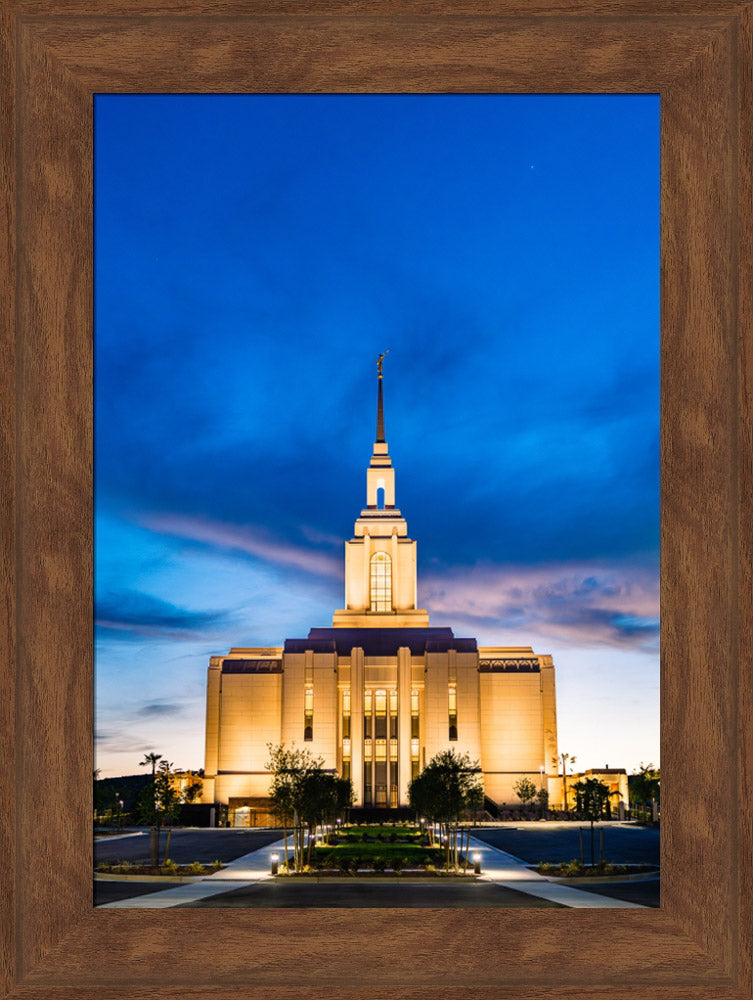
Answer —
(380, 559)
(380, 401)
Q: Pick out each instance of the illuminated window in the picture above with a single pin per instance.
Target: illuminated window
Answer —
(367, 749)
(346, 714)
(393, 749)
(367, 719)
(346, 749)
(414, 749)
(414, 714)
(308, 713)
(381, 582)
(453, 706)
(381, 750)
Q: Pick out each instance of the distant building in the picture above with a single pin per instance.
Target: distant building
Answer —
(616, 780)
(380, 692)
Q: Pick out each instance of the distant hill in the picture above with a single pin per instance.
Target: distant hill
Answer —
(126, 788)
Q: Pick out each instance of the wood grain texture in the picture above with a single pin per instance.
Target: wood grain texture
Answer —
(699, 57)
(296, 10)
(744, 324)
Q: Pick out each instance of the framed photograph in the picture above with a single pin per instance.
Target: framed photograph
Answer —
(57, 57)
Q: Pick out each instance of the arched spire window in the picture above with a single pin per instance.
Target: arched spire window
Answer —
(381, 582)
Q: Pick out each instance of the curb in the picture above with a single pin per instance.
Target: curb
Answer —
(603, 879)
(113, 877)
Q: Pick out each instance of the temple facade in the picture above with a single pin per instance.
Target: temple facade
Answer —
(381, 691)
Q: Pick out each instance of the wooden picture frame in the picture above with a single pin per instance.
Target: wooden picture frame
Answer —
(698, 56)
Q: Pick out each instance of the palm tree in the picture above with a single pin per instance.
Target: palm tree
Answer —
(564, 757)
(152, 758)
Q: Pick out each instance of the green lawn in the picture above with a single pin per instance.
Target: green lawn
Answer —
(390, 843)
(413, 854)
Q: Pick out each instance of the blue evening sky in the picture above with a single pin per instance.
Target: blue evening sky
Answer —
(254, 254)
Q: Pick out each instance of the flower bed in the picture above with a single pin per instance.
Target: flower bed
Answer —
(576, 869)
(170, 868)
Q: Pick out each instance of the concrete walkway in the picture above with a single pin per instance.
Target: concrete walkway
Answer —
(513, 873)
(496, 866)
(244, 871)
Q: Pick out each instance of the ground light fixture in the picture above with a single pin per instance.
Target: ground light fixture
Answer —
(274, 858)
(476, 863)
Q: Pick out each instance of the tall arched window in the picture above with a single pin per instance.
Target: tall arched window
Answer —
(381, 582)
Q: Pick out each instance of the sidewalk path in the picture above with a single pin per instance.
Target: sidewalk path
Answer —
(496, 866)
(244, 871)
(512, 873)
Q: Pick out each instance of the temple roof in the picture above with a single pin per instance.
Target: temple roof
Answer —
(380, 641)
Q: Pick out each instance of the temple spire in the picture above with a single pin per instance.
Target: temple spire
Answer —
(380, 403)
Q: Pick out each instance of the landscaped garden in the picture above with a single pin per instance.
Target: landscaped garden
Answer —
(168, 867)
(378, 849)
(312, 805)
(577, 869)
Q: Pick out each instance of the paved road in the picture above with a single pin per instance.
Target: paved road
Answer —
(646, 893)
(371, 894)
(534, 842)
(108, 892)
(186, 845)
(531, 842)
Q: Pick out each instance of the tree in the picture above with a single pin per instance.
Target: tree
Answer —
(151, 758)
(645, 785)
(525, 789)
(192, 791)
(304, 796)
(447, 788)
(591, 801)
(542, 797)
(159, 803)
(563, 758)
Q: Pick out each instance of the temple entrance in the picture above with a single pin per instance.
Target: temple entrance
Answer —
(380, 748)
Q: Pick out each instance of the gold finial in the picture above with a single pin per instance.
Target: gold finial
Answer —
(379, 362)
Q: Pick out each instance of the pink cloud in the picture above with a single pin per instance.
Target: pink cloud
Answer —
(576, 604)
(248, 540)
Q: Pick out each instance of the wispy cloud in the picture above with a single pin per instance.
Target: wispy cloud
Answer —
(157, 708)
(248, 540)
(132, 614)
(579, 605)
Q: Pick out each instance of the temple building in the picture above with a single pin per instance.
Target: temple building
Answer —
(381, 691)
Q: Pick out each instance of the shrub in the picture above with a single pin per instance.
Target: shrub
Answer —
(398, 864)
(195, 868)
(393, 836)
(573, 867)
(169, 866)
(216, 864)
(380, 864)
(122, 867)
(545, 866)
